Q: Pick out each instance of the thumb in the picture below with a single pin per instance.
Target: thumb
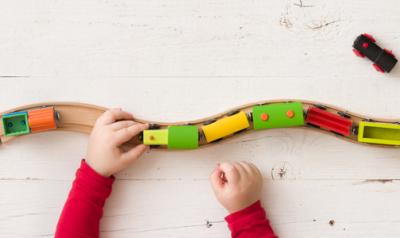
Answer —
(216, 180)
(134, 153)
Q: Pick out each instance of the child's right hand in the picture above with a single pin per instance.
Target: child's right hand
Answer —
(236, 185)
(112, 129)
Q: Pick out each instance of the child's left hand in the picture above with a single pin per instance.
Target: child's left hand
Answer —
(111, 130)
(237, 185)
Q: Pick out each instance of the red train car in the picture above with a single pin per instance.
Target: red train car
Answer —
(329, 121)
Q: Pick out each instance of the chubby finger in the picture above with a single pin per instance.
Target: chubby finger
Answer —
(216, 179)
(125, 134)
(246, 166)
(241, 170)
(255, 169)
(113, 115)
(230, 172)
(134, 153)
(122, 124)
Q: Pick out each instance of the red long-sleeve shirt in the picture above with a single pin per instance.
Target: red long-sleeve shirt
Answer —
(83, 210)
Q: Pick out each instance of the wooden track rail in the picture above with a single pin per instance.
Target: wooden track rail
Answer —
(80, 117)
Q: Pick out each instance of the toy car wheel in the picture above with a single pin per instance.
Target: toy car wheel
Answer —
(378, 68)
(371, 38)
(389, 52)
(358, 53)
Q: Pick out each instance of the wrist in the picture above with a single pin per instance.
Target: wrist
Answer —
(256, 206)
(97, 169)
(240, 206)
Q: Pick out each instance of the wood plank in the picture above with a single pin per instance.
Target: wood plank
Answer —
(296, 208)
(184, 60)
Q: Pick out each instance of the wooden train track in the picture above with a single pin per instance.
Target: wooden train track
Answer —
(80, 117)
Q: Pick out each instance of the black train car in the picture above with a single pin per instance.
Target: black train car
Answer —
(384, 60)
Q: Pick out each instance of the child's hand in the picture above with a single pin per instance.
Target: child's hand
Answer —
(236, 185)
(111, 130)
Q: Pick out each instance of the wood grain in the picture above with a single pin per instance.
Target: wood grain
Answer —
(168, 60)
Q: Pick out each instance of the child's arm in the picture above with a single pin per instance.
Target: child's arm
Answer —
(83, 209)
(237, 187)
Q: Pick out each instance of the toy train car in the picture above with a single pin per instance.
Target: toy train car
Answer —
(379, 133)
(335, 123)
(276, 115)
(25, 122)
(365, 45)
(226, 126)
(175, 137)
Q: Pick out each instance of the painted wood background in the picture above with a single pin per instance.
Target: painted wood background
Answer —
(181, 60)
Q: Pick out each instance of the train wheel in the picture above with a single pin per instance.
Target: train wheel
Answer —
(209, 122)
(322, 107)
(233, 113)
(154, 126)
(344, 114)
(355, 130)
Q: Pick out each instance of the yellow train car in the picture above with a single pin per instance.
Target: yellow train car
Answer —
(379, 133)
(225, 126)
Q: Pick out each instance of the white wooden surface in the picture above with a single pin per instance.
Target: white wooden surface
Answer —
(187, 59)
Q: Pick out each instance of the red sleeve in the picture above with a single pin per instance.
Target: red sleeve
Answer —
(250, 222)
(83, 209)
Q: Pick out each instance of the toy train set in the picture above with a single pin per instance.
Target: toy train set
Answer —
(193, 134)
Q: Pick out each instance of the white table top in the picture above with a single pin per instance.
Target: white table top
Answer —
(188, 59)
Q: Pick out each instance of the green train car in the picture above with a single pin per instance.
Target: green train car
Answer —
(278, 115)
(175, 137)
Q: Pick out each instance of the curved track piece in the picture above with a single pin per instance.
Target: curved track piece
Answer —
(79, 117)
